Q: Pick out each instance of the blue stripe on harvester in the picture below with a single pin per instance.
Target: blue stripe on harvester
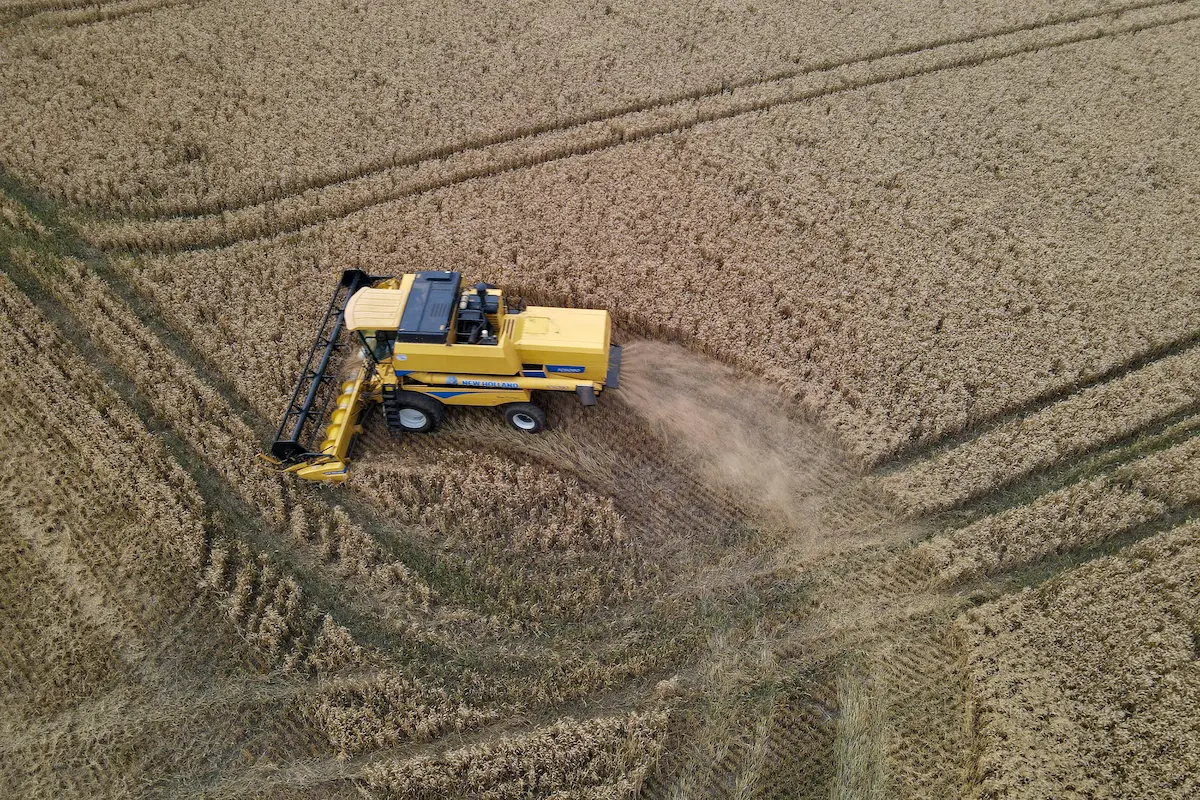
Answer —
(529, 373)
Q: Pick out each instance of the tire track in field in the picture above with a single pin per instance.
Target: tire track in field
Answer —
(341, 198)
(23, 9)
(1142, 405)
(243, 520)
(330, 772)
(249, 524)
(1106, 457)
(72, 13)
(1102, 458)
(1054, 565)
(440, 153)
(917, 451)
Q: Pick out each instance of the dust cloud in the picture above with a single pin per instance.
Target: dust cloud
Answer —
(737, 432)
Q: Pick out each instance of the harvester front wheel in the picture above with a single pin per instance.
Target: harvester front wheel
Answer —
(525, 417)
(413, 412)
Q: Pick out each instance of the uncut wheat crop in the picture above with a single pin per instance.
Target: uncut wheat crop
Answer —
(898, 497)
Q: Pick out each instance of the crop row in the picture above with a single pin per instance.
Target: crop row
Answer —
(536, 511)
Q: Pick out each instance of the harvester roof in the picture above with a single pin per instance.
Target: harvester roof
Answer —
(420, 310)
(375, 309)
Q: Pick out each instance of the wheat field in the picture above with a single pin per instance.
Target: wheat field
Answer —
(898, 497)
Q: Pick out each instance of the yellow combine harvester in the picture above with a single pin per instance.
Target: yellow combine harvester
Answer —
(425, 344)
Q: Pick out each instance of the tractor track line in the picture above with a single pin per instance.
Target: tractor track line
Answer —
(148, 313)
(77, 15)
(18, 11)
(451, 585)
(1107, 457)
(1048, 568)
(325, 771)
(440, 153)
(919, 451)
(190, 235)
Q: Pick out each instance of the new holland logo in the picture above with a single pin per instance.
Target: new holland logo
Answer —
(483, 384)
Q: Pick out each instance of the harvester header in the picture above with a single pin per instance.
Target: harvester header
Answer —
(424, 343)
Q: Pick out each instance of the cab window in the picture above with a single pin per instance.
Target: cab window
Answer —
(379, 343)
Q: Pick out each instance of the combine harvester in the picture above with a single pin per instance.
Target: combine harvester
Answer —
(427, 344)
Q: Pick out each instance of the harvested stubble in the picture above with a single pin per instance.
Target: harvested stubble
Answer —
(1098, 669)
(485, 682)
(905, 270)
(110, 126)
(52, 657)
(597, 758)
(481, 500)
(1078, 425)
(1079, 515)
(535, 542)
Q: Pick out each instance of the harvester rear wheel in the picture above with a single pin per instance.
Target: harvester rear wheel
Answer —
(413, 412)
(525, 417)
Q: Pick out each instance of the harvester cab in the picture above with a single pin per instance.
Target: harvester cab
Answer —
(418, 343)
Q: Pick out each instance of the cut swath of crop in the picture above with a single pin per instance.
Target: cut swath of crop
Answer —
(606, 757)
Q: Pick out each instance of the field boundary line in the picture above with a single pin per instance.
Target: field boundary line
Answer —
(271, 220)
(392, 161)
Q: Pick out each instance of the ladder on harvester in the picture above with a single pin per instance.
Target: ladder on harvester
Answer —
(315, 389)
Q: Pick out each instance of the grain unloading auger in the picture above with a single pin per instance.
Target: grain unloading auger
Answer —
(423, 344)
